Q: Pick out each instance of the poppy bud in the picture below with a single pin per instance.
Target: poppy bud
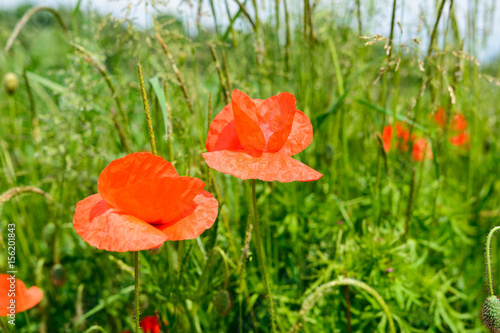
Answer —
(223, 302)
(491, 314)
(58, 275)
(10, 83)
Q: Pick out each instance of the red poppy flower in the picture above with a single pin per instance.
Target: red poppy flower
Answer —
(421, 150)
(459, 123)
(439, 117)
(13, 291)
(149, 324)
(255, 139)
(386, 138)
(142, 202)
(402, 135)
(459, 139)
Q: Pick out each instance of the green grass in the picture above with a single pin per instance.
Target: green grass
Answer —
(349, 224)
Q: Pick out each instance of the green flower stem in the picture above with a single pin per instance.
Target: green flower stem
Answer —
(260, 257)
(136, 277)
(488, 260)
(155, 151)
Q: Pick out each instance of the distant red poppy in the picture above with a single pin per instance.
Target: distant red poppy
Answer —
(142, 202)
(149, 324)
(255, 139)
(440, 117)
(459, 123)
(386, 138)
(13, 291)
(402, 136)
(459, 139)
(421, 150)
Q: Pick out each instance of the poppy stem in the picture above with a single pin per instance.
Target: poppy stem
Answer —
(136, 277)
(487, 254)
(261, 257)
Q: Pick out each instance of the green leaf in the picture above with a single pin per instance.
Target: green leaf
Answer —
(155, 83)
(55, 87)
(390, 113)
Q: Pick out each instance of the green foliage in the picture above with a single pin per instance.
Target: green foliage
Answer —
(351, 223)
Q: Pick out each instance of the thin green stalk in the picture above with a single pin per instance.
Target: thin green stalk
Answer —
(27, 317)
(136, 277)
(260, 257)
(146, 110)
(327, 288)
(488, 261)
(154, 150)
(391, 36)
(219, 72)
(410, 204)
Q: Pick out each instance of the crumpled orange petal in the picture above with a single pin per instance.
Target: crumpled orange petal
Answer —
(159, 200)
(112, 230)
(245, 118)
(196, 223)
(132, 169)
(300, 136)
(276, 116)
(268, 167)
(25, 298)
(222, 132)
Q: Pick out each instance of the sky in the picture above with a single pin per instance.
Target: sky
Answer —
(408, 13)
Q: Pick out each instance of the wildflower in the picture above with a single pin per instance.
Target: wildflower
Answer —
(459, 123)
(458, 126)
(149, 324)
(460, 139)
(255, 139)
(421, 150)
(440, 117)
(402, 136)
(142, 202)
(386, 138)
(14, 297)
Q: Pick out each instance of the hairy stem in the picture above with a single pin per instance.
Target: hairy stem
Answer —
(260, 257)
(488, 261)
(136, 277)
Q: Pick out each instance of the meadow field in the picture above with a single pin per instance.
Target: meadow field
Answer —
(391, 238)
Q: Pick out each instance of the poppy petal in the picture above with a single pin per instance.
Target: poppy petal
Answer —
(222, 133)
(276, 116)
(132, 169)
(196, 223)
(158, 200)
(267, 167)
(301, 135)
(24, 298)
(246, 122)
(387, 137)
(113, 230)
